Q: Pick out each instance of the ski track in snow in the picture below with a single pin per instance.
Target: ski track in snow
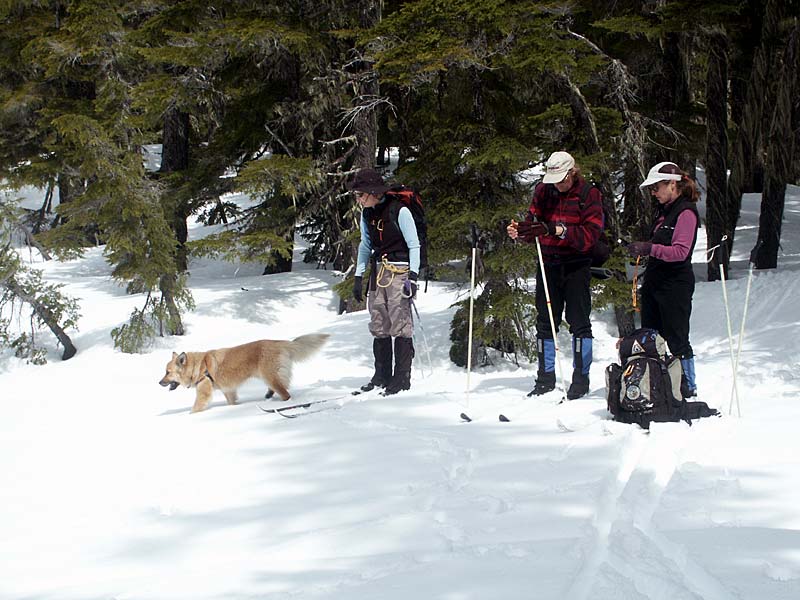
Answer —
(457, 464)
(624, 549)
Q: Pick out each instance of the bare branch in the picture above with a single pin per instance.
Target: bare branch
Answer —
(367, 103)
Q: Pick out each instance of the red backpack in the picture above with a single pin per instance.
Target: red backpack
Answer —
(410, 198)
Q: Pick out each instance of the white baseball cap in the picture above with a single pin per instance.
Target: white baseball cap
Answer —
(557, 167)
(663, 171)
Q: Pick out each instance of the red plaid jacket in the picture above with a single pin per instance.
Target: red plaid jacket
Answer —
(583, 226)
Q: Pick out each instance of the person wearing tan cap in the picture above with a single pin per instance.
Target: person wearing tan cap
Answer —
(566, 216)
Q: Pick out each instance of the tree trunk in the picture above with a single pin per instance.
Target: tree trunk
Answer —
(748, 139)
(175, 158)
(175, 142)
(64, 196)
(281, 263)
(780, 153)
(166, 284)
(287, 141)
(365, 124)
(44, 314)
(716, 145)
(676, 102)
(583, 115)
(47, 207)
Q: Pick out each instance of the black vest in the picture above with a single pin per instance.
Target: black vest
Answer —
(384, 231)
(663, 236)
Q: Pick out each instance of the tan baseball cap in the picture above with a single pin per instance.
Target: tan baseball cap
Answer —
(557, 167)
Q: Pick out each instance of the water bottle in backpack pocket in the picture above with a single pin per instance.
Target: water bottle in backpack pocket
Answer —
(646, 384)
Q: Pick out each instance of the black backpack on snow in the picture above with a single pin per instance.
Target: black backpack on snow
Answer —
(645, 386)
(410, 198)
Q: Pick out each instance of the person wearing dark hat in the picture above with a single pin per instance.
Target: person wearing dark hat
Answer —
(566, 215)
(668, 278)
(389, 240)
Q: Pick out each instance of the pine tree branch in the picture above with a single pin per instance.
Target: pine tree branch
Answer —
(44, 313)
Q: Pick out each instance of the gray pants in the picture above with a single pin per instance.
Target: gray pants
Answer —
(389, 310)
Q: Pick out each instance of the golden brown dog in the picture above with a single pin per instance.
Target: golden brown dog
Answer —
(228, 368)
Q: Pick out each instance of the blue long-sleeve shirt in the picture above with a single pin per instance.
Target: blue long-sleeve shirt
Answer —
(408, 229)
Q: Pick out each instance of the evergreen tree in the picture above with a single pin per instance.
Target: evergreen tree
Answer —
(781, 149)
(25, 297)
(66, 106)
(487, 87)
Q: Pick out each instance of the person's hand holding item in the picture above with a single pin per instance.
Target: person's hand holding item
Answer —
(528, 231)
(410, 286)
(639, 248)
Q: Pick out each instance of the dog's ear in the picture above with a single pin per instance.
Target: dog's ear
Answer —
(174, 355)
(181, 359)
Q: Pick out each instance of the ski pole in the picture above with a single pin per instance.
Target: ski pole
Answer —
(552, 321)
(723, 247)
(424, 337)
(753, 253)
(474, 241)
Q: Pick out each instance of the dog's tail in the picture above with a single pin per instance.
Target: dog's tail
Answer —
(302, 347)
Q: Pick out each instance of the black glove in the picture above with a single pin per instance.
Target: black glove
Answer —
(357, 289)
(530, 230)
(410, 286)
(639, 248)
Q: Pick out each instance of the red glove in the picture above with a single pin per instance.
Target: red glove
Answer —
(529, 230)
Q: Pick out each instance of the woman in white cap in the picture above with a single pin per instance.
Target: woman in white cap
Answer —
(668, 279)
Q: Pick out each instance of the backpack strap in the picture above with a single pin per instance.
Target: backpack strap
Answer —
(395, 196)
(587, 187)
(396, 203)
(582, 196)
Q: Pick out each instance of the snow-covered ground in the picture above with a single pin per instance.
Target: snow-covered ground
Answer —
(110, 489)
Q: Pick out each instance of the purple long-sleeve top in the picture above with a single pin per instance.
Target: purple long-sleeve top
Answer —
(682, 239)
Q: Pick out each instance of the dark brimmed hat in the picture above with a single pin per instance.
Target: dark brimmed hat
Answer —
(369, 181)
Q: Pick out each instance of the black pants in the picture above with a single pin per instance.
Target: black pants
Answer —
(667, 308)
(568, 284)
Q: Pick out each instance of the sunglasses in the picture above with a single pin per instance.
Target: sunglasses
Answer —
(654, 187)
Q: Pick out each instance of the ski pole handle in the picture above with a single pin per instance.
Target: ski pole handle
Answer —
(473, 232)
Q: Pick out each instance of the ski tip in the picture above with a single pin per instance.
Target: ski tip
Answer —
(465, 417)
(504, 419)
